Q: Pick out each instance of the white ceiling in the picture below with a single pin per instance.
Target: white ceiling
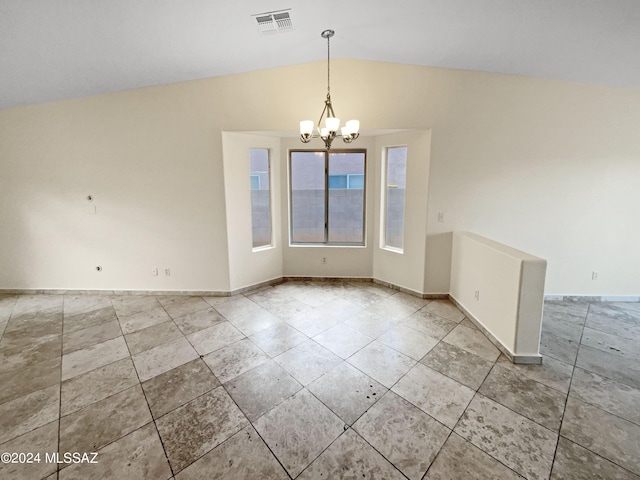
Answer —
(58, 49)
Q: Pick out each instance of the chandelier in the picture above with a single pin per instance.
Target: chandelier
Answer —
(332, 128)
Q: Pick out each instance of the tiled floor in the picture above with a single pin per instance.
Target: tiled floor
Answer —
(312, 380)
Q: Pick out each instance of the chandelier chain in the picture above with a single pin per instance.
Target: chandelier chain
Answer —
(328, 66)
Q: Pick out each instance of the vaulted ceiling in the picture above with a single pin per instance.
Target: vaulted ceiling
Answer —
(59, 49)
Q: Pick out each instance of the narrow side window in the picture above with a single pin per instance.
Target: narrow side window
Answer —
(395, 180)
(260, 197)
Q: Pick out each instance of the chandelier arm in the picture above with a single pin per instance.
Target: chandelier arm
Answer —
(321, 115)
(329, 107)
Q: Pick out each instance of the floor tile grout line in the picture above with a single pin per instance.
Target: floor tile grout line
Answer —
(343, 361)
(598, 330)
(614, 352)
(60, 468)
(4, 328)
(365, 374)
(566, 401)
(302, 387)
(533, 379)
(418, 407)
(252, 424)
(520, 414)
(335, 413)
(91, 371)
(574, 366)
(617, 380)
(147, 402)
(606, 332)
(442, 340)
(600, 407)
(200, 395)
(480, 395)
(346, 425)
(97, 368)
(424, 476)
(350, 427)
(580, 345)
(60, 385)
(595, 406)
(452, 432)
(174, 473)
(598, 455)
(272, 452)
(559, 359)
(566, 395)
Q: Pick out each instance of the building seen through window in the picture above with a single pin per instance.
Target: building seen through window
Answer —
(260, 197)
(327, 197)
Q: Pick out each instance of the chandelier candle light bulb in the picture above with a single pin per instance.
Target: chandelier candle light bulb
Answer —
(332, 123)
(306, 127)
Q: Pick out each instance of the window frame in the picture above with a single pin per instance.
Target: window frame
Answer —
(326, 242)
(271, 243)
(383, 204)
(349, 177)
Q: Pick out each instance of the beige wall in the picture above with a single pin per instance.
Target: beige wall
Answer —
(547, 167)
(502, 289)
(249, 266)
(341, 261)
(152, 160)
(404, 269)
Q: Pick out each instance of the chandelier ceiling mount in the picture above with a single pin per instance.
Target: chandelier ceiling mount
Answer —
(331, 129)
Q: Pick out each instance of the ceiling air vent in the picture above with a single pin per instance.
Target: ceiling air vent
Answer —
(270, 23)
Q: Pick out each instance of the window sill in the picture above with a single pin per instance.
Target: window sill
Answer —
(326, 245)
(399, 251)
(263, 248)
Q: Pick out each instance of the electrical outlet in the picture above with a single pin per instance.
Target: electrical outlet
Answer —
(167, 272)
(441, 217)
(594, 275)
(154, 272)
(324, 259)
(477, 295)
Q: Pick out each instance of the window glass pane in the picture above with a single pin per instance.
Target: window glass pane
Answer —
(260, 197)
(346, 204)
(396, 175)
(307, 197)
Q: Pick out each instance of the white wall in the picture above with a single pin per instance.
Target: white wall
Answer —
(306, 260)
(147, 156)
(248, 266)
(404, 269)
(548, 167)
(502, 289)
